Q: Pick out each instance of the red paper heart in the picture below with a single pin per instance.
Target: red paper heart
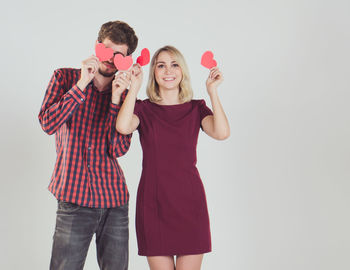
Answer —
(208, 60)
(144, 58)
(102, 52)
(123, 63)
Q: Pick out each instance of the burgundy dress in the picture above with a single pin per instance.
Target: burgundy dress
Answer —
(171, 209)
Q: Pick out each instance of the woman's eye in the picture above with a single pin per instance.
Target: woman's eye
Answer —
(175, 65)
(160, 66)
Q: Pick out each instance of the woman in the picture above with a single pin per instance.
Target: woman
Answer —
(171, 213)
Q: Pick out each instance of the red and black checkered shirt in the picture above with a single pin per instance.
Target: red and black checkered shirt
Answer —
(86, 172)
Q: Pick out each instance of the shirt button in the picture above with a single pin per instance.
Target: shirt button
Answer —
(89, 147)
(82, 99)
(88, 165)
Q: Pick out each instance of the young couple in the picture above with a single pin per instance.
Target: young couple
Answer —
(93, 115)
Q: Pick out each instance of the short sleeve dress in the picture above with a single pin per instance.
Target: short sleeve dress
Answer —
(171, 208)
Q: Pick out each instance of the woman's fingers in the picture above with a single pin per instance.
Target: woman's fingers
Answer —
(215, 73)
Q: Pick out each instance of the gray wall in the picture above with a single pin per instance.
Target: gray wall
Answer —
(277, 189)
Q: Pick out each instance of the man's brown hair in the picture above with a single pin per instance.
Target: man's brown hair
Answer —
(119, 33)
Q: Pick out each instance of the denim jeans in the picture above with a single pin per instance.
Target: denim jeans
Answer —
(75, 227)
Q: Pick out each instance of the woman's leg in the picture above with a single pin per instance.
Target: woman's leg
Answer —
(185, 262)
(161, 262)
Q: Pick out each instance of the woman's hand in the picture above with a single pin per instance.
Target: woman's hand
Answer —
(119, 84)
(216, 125)
(215, 78)
(127, 121)
(136, 77)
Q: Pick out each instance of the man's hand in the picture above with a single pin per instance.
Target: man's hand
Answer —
(119, 84)
(89, 67)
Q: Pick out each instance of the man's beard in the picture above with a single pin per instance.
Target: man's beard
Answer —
(106, 74)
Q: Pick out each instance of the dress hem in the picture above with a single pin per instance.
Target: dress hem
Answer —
(174, 253)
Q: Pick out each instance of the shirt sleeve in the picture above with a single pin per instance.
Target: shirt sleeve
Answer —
(204, 110)
(118, 144)
(59, 104)
(138, 108)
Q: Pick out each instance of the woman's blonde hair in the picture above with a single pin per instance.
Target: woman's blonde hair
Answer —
(185, 92)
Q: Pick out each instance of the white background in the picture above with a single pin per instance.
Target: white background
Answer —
(277, 189)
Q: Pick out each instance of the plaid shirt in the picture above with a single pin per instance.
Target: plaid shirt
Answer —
(86, 172)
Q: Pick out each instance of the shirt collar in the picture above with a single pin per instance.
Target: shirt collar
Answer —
(94, 89)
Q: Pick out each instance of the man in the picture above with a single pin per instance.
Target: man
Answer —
(80, 107)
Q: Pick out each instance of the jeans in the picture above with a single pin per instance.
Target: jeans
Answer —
(75, 226)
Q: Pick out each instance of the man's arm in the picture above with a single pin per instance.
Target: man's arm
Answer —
(59, 104)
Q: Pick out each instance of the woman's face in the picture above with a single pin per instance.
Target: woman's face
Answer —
(167, 72)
